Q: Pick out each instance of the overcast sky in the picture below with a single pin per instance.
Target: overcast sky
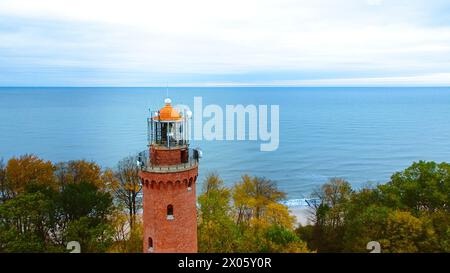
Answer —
(227, 42)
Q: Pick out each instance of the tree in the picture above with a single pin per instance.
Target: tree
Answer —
(422, 187)
(366, 225)
(42, 207)
(93, 236)
(365, 220)
(264, 223)
(216, 230)
(27, 169)
(87, 212)
(333, 196)
(436, 236)
(246, 218)
(403, 232)
(283, 240)
(329, 215)
(77, 171)
(127, 189)
(251, 197)
(410, 213)
(126, 240)
(25, 224)
(85, 200)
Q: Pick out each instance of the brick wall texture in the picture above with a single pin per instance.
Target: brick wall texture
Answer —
(177, 235)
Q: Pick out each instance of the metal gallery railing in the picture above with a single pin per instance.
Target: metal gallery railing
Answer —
(145, 164)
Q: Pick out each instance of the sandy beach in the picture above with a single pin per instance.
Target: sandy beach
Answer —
(302, 215)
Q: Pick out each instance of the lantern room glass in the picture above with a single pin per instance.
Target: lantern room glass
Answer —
(167, 133)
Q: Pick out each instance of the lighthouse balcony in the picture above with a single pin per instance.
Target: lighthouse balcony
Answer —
(188, 162)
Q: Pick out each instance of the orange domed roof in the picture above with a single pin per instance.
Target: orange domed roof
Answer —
(168, 112)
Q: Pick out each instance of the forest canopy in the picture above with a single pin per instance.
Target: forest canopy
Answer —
(45, 205)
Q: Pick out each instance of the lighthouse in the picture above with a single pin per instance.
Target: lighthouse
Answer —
(169, 170)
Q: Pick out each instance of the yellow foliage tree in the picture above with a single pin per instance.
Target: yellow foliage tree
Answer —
(126, 239)
(402, 233)
(25, 170)
(278, 214)
(252, 196)
(77, 171)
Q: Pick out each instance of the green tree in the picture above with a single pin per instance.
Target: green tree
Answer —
(369, 224)
(93, 236)
(85, 200)
(422, 187)
(87, 211)
(410, 213)
(25, 224)
(365, 220)
(283, 240)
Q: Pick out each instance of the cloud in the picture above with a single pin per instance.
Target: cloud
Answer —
(438, 79)
(375, 2)
(138, 42)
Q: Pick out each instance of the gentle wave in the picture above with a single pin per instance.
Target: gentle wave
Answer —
(299, 202)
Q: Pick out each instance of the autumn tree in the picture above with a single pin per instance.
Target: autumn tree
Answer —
(410, 213)
(77, 171)
(246, 218)
(329, 215)
(216, 230)
(333, 196)
(253, 195)
(126, 240)
(24, 170)
(436, 227)
(403, 233)
(41, 211)
(128, 187)
(264, 222)
(421, 193)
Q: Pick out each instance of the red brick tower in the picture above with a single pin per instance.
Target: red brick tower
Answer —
(169, 171)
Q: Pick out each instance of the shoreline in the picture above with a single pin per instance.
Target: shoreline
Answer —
(299, 208)
(302, 215)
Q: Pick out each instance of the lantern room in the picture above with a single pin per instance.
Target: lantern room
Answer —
(168, 127)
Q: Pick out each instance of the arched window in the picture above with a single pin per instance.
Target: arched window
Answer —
(170, 212)
(150, 244)
(189, 185)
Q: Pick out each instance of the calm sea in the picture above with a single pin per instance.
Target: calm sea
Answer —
(360, 134)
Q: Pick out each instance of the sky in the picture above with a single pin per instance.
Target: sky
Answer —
(225, 43)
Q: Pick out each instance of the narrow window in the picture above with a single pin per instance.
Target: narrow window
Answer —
(150, 244)
(189, 185)
(170, 212)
